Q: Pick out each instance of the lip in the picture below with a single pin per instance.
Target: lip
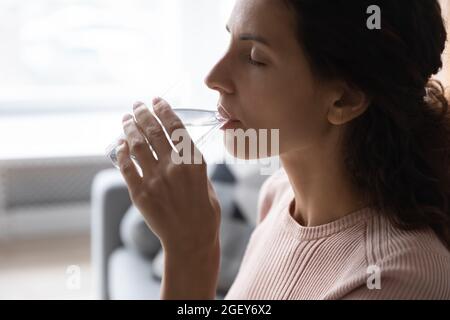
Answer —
(230, 124)
(224, 113)
(230, 121)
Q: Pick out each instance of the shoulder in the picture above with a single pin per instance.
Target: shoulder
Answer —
(386, 240)
(412, 264)
(272, 191)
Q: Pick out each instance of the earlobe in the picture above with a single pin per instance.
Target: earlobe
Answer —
(336, 116)
(350, 105)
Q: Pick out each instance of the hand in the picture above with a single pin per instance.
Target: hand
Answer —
(177, 200)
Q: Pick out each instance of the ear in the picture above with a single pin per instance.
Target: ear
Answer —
(348, 103)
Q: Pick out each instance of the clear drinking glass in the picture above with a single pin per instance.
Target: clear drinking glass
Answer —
(207, 121)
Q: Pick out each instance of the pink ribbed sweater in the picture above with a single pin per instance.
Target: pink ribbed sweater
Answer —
(339, 260)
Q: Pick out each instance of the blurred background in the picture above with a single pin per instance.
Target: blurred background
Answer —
(69, 70)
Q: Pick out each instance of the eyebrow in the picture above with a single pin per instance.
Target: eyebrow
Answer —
(250, 37)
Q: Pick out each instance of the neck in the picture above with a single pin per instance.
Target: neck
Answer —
(322, 189)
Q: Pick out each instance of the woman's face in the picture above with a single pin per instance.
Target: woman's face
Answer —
(264, 79)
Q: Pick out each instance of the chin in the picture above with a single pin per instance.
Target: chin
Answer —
(243, 144)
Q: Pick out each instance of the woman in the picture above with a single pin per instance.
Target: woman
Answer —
(359, 209)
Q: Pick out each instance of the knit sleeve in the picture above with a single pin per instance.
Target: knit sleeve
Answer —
(414, 274)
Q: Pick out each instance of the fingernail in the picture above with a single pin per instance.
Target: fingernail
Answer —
(120, 148)
(127, 117)
(156, 100)
(137, 104)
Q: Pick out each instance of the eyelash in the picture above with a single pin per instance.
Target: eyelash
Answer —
(254, 62)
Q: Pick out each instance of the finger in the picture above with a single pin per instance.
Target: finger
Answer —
(215, 203)
(138, 145)
(127, 168)
(171, 121)
(152, 129)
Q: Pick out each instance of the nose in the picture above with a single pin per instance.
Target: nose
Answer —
(218, 78)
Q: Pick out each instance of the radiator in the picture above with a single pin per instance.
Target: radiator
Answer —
(41, 196)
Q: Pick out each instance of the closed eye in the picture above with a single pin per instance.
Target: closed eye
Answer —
(254, 62)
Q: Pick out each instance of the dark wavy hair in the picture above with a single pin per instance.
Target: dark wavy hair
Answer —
(398, 151)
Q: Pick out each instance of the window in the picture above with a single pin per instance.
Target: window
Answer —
(69, 69)
(84, 55)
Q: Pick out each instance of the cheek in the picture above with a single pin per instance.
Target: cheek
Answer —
(301, 114)
(289, 111)
(279, 103)
(277, 130)
(302, 125)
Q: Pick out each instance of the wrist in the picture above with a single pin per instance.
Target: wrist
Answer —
(182, 251)
(191, 275)
(205, 259)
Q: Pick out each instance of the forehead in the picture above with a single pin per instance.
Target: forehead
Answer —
(271, 19)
